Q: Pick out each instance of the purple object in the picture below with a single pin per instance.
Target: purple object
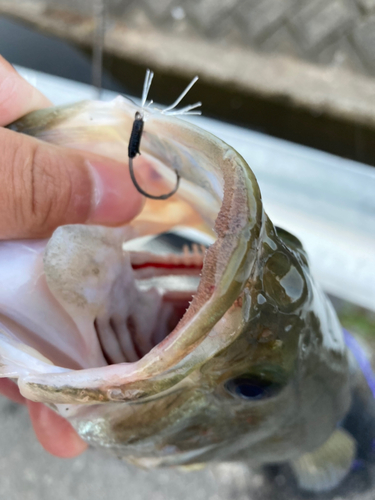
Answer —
(362, 360)
(357, 465)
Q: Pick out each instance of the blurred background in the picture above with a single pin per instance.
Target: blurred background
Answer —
(300, 70)
(290, 84)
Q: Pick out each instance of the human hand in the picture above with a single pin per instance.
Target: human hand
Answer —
(42, 187)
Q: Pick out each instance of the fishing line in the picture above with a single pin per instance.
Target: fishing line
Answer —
(133, 150)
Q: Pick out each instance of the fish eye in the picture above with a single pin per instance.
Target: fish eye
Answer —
(252, 387)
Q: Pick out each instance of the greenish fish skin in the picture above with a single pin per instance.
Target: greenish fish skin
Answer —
(275, 328)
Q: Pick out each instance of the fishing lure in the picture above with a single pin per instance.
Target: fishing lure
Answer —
(137, 131)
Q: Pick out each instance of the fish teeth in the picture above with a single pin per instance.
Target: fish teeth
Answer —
(193, 256)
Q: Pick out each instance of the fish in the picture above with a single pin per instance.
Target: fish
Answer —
(223, 352)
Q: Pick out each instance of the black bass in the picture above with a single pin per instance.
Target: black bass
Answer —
(244, 360)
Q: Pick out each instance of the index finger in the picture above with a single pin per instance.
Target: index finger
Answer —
(17, 96)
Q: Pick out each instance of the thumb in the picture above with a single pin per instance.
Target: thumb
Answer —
(55, 434)
(44, 186)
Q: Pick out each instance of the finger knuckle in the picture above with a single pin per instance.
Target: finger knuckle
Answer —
(47, 189)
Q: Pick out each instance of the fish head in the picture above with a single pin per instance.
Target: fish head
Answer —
(247, 360)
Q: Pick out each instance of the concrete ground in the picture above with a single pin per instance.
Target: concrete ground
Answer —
(27, 472)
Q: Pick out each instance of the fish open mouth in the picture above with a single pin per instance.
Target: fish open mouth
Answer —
(80, 301)
(158, 294)
(93, 300)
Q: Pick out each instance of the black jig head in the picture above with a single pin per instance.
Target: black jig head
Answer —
(133, 150)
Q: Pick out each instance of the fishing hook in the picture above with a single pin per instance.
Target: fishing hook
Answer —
(133, 150)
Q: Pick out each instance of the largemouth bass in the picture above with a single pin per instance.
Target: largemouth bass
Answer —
(225, 353)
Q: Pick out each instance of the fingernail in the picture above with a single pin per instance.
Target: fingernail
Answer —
(115, 200)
